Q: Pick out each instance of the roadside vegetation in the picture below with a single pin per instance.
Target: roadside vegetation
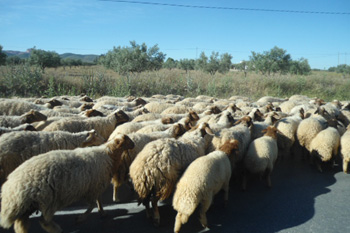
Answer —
(140, 70)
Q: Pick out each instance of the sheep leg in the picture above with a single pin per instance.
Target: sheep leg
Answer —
(205, 204)
(145, 202)
(179, 220)
(244, 181)
(100, 208)
(116, 185)
(22, 224)
(48, 225)
(226, 189)
(83, 217)
(268, 178)
(345, 165)
(156, 216)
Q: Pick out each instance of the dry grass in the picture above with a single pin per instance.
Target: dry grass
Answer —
(97, 81)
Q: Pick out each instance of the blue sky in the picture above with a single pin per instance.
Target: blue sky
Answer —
(95, 27)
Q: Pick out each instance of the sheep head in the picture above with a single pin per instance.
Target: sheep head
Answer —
(121, 117)
(93, 113)
(86, 99)
(193, 115)
(230, 147)
(179, 130)
(93, 139)
(33, 116)
(119, 144)
(246, 121)
(271, 131)
(167, 120)
(204, 129)
(139, 101)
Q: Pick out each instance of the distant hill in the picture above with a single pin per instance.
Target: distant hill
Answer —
(26, 54)
(84, 58)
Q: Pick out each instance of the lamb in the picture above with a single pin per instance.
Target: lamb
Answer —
(17, 147)
(156, 169)
(345, 149)
(261, 155)
(140, 140)
(103, 125)
(24, 127)
(324, 147)
(203, 178)
(28, 117)
(41, 183)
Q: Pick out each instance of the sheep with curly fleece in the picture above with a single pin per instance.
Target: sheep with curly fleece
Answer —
(324, 147)
(54, 180)
(156, 169)
(140, 140)
(17, 147)
(345, 149)
(261, 155)
(203, 178)
(103, 125)
(28, 117)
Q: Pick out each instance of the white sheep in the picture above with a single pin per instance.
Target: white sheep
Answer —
(156, 169)
(270, 119)
(261, 155)
(140, 140)
(287, 127)
(240, 132)
(24, 127)
(345, 149)
(18, 107)
(103, 125)
(28, 117)
(177, 109)
(157, 107)
(203, 178)
(17, 147)
(54, 180)
(308, 128)
(324, 147)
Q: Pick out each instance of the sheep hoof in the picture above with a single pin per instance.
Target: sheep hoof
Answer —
(156, 222)
(81, 218)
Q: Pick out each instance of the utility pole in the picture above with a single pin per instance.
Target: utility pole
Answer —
(338, 58)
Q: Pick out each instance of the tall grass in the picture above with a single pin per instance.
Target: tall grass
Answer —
(97, 81)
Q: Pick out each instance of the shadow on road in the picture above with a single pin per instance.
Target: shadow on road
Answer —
(289, 203)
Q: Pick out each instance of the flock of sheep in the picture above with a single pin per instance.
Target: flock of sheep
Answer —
(54, 152)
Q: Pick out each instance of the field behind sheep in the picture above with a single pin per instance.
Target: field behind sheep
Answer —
(96, 81)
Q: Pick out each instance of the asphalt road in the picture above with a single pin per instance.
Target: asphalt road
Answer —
(301, 200)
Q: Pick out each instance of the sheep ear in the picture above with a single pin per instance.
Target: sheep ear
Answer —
(264, 130)
(127, 143)
(209, 131)
(237, 122)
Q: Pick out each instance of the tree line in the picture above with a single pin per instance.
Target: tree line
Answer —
(137, 58)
